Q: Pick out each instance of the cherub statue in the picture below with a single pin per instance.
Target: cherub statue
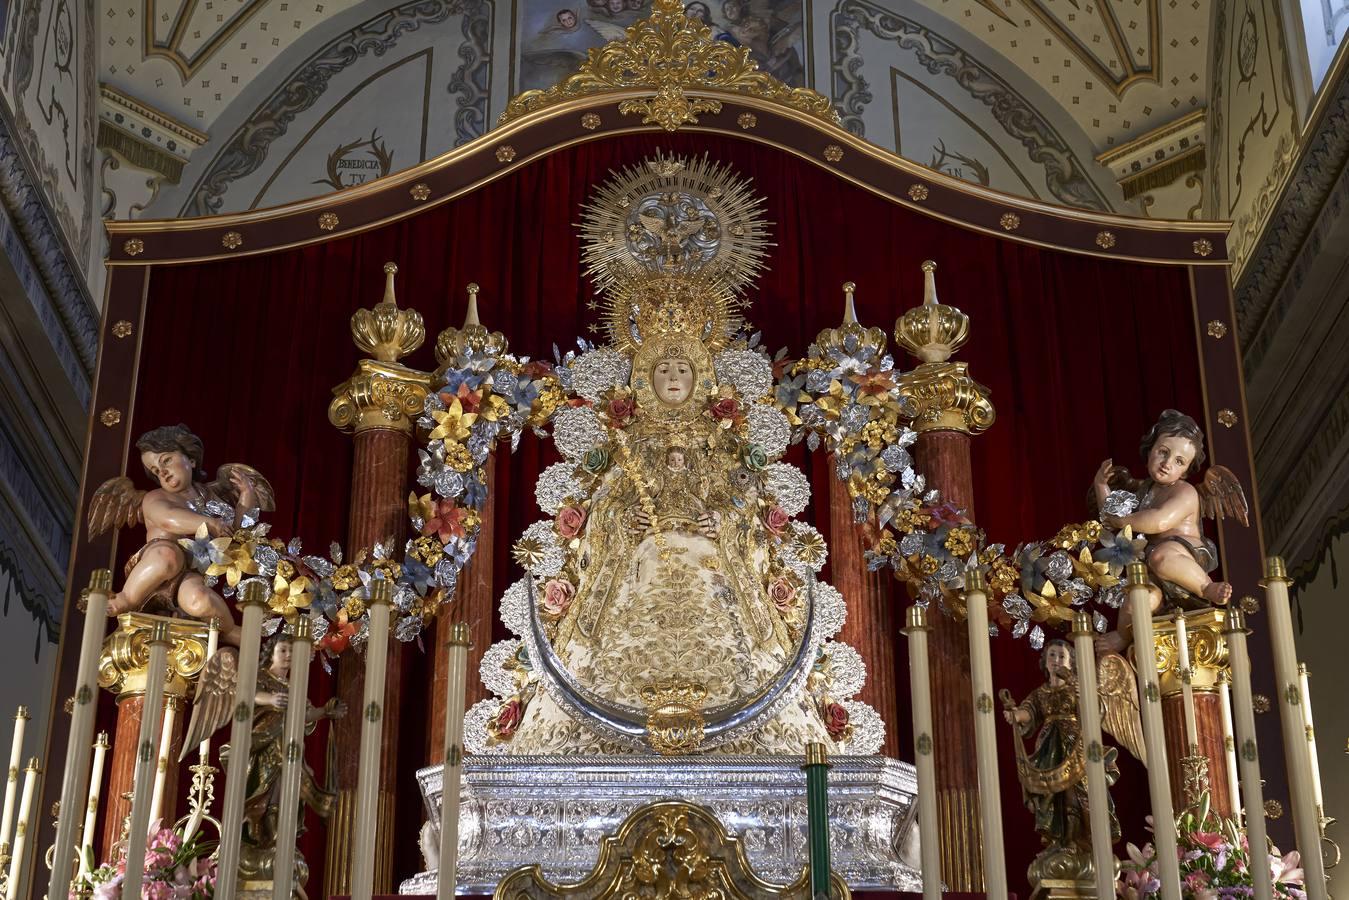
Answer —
(1053, 775)
(1167, 508)
(183, 503)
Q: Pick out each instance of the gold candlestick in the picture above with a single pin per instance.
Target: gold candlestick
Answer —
(1154, 737)
(1306, 824)
(241, 741)
(458, 646)
(1089, 718)
(1248, 760)
(372, 719)
(985, 736)
(920, 691)
(297, 712)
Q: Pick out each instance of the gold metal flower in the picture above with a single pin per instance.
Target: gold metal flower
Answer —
(231, 240)
(1217, 329)
(121, 329)
(420, 191)
(328, 221)
(747, 120)
(1249, 605)
(1105, 239)
(1260, 703)
(1010, 221)
(110, 416)
(918, 192)
(452, 422)
(1227, 417)
(133, 247)
(1273, 809)
(1203, 247)
(590, 121)
(833, 153)
(505, 153)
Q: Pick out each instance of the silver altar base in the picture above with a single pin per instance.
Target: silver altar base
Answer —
(553, 810)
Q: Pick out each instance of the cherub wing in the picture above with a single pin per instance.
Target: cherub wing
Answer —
(610, 32)
(1221, 495)
(116, 503)
(653, 223)
(1119, 479)
(224, 485)
(213, 704)
(692, 226)
(1120, 718)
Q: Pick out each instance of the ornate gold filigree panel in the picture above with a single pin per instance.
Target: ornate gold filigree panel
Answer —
(1208, 651)
(126, 653)
(667, 850)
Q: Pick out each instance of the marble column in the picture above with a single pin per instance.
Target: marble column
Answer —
(948, 408)
(379, 405)
(1208, 657)
(472, 605)
(121, 670)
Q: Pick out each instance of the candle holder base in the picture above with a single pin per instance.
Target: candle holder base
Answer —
(1064, 873)
(1194, 772)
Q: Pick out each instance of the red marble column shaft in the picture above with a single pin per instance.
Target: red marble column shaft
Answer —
(944, 459)
(472, 604)
(378, 513)
(1209, 718)
(871, 625)
(120, 770)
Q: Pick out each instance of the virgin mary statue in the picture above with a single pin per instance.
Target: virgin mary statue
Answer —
(671, 603)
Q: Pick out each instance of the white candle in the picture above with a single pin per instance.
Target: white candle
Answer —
(143, 783)
(21, 718)
(372, 726)
(920, 691)
(162, 764)
(297, 712)
(454, 761)
(91, 804)
(1186, 688)
(1089, 719)
(17, 869)
(1243, 721)
(241, 741)
(76, 771)
(1306, 824)
(1230, 743)
(985, 737)
(1154, 737)
(212, 644)
(1305, 678)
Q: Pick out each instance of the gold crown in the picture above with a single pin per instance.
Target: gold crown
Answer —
(665, 695)
(650, 307)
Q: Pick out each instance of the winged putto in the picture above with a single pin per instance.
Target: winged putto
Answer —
(183, 506)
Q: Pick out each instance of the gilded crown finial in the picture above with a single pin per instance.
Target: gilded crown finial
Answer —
(849, 309)
(386, 332)
(851, 336)
(934, 331)
(472, 337)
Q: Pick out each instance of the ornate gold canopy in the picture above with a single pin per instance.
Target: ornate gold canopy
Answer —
(670, 53)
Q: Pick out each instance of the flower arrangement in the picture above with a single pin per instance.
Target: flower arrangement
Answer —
(1215, 862)
(175, 869)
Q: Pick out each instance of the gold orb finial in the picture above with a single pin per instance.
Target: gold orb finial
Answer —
(934, 331)
(386, 332)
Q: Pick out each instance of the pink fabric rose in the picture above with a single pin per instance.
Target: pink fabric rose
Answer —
(776, 519)
(570, 521)
(557, 594)
(781, 592)
(506, 720)
(836, 720)
(725, 409)
(620, 410)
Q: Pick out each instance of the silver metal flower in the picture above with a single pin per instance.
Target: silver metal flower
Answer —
(769, 429)
(594, 373)
(789, 486)
(556, 484)
(847, 670)
(748, 371)
(577, 429)
(868, 730)
(493, 672)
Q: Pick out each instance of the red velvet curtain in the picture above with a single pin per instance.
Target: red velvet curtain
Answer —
(1080, 354)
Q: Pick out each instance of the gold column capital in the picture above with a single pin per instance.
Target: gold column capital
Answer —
(942, 396)
(384, 331)
(379, 395)
(126, 653)
(1206, 633)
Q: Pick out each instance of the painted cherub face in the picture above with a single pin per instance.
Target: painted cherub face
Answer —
(171, 468)
(1058, 661)
(675, 460)
(281, 656)
(1170, 458)
(672, 380)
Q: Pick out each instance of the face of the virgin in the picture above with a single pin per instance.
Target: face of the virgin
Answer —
(1170, 459)
(171, 468)
(1058, 661)
(672, 380)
